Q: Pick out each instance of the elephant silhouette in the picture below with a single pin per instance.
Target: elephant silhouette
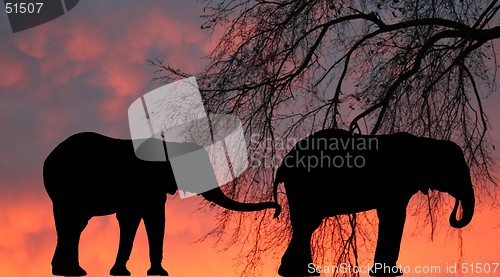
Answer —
(333, 172)
(90, 174)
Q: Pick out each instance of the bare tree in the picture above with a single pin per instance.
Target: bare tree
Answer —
(291, 67)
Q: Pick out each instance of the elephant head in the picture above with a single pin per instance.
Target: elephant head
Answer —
(205, 174)
(446, 170)
(218, 197)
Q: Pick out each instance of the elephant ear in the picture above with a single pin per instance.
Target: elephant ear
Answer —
(171, 183)
(422, 182)
(424, 171)
(434, 164)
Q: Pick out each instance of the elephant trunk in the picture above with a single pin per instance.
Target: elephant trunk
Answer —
(467, 201)
(219, 198)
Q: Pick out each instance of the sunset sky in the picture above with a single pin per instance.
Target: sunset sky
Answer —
(80, 72)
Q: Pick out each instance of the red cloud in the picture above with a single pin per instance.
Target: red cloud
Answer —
(12, 71)
(85, 42)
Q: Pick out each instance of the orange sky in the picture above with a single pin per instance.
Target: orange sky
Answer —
(80, 72)
(28, 240)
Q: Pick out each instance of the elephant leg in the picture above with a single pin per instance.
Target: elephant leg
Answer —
(69, 226)
(128, 222)
(390, 232)
(297, 260)
(154, 221)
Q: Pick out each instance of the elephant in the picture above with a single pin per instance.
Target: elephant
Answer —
(333, 172)
(89, 174)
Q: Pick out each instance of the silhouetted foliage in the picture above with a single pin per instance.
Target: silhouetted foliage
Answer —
(289, 68)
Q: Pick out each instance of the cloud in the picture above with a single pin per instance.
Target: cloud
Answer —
(12, 71)
(33, 45)
(85, 42)
(27, 234)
